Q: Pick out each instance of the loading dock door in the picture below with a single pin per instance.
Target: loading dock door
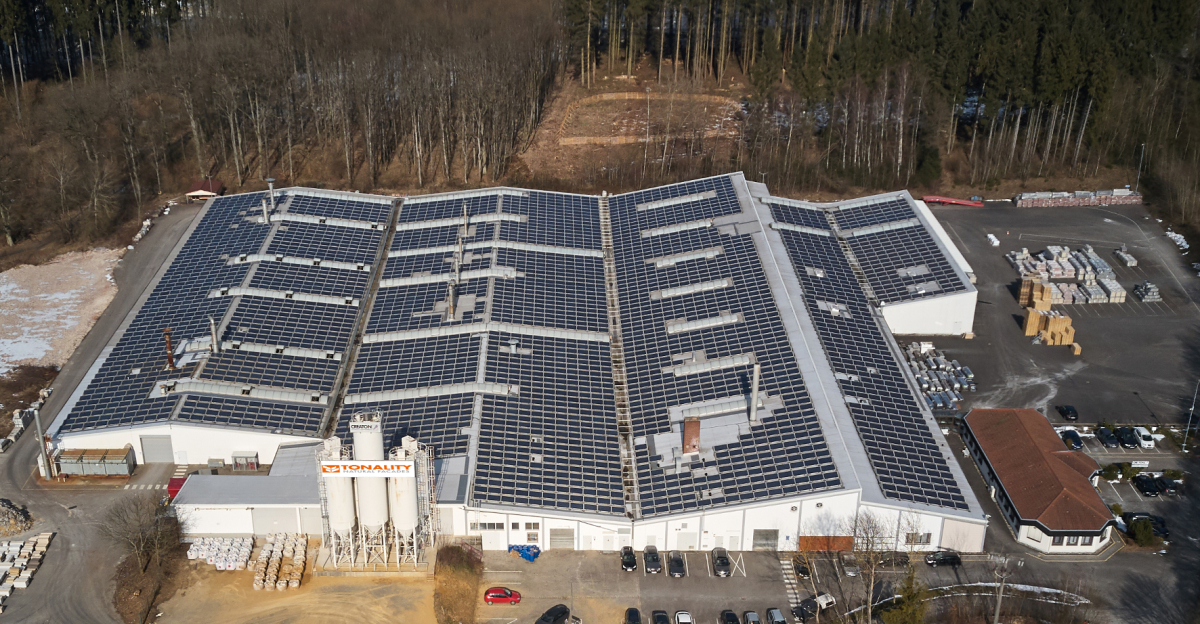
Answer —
(275, 520)
(157, 450)
(562, 539)
(766, 539)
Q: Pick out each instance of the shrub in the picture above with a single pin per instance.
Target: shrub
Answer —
(1117, 509)
(1110, 472)
(1142, 532)
(1128, 471)
(1173, 473)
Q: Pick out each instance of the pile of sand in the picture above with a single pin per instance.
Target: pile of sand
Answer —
(46, 310)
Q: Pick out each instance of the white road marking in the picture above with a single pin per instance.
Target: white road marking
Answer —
(708, 564)
(1114, 489)
(738, 564)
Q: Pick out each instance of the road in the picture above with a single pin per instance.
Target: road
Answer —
(75, 582)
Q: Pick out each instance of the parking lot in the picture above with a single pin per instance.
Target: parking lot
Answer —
(593, 585)
(1138, 363)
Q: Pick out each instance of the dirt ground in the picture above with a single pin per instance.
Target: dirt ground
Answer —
(19, 387)
(208, 596)
(46, 310)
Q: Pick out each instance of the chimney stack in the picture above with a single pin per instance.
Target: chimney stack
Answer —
(170, 349)
(212, 328)
(691, 435)
(271, 192)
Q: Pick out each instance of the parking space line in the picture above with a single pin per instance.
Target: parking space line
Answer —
(1114, 489)
(708, 564)
(738, 565)
(686, 570)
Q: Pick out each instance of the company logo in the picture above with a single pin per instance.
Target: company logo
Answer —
(369, 427)
(367, 469)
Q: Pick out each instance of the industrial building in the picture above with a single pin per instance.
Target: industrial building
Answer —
(1046, 492)
(690, 366)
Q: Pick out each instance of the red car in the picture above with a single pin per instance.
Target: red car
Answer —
(501, 594)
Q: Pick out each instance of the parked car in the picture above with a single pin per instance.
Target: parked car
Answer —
(675, 564)
(1126, 437)
(728, 617)
(1107, 438)
(1072, 439)
(751, 617)
(809, 607)
(659, 617)
(1145, 485)
(943, 557)
(683, 617)
(849, 563)
(1157, 523)
(628, 559)
(1170, 487)
(4, 444)
(800, 568)
(893, 559)
(501, 595)
(1145, 440)
(558, 614)
(633, 616)
(775, 616)
(720, 562)
(652, 560)
(1067, 412)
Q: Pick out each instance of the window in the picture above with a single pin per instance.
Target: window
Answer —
(1073, 540)
(516, 526)
(1057, 541)
(487, 526)
(1087, 540)
(531, 538)
(531, 526)
(918, 538)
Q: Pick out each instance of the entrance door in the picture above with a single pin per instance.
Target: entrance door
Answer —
(562, 538)
(766, 539)
(608, 542)
(157, 450)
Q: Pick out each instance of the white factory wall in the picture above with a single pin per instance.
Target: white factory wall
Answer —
(192, 444)
(901, 523)
(963, 536)
(215, 521)
(945, 315)
(940, 232)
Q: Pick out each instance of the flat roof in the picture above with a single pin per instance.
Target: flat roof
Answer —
(249, 491)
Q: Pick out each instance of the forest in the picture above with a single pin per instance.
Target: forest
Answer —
(108, 104)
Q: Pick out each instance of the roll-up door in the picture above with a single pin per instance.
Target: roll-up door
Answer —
(562, 538)
(157, 450)
(766, 539)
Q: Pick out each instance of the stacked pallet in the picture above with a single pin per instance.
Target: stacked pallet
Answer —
(1043, 295)
(1025, 295)
(1147, 292)
(1116, 294)
(1066, 293)
(1125, 257)
(1103, 270)
(1051, 328)
(19, 561)
(1096, 294)
(1047, 199)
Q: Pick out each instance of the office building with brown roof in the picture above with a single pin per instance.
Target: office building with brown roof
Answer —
(1046, 493)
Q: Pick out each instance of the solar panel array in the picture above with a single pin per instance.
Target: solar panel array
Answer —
(120, 392)
(784, 455)
(885, 256)
(553, 444)
(904, 455)
(873, 213)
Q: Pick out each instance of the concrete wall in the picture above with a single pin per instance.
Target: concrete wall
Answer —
(215, 521)
(945, 315)
(192, 444)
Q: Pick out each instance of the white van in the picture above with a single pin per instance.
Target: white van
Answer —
(1145, 440)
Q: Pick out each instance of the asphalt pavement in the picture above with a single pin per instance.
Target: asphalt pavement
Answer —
(74, 584)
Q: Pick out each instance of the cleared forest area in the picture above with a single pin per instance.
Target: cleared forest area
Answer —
(107, 105)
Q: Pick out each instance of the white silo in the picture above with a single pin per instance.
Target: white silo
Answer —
(402, 502)
(367, 429)
(339, 495)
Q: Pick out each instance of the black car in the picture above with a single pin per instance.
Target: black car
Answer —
(801, 570)
(1170, 487)
(558, 614)
(675, 565)
(1107, 438)
(720, 562)
(893, 560)
(1145, 485)
(943, 557)
(652, 560)
(1127, 437)
(728, 617)
(1072, 439)
(806, 609)
(1157, 523)
(1067, 412)
(633, 616)
(659, 617)
(628, 559)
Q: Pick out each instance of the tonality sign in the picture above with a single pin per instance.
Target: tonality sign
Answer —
(367, 469)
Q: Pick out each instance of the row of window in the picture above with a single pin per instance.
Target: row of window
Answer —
(499, 526)
(919, 539)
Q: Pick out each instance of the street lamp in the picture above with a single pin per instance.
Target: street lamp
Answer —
(1138, 183)
(1191, 411)
(1003, 566)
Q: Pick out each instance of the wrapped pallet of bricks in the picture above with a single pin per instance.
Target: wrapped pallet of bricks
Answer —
(1065, 297)
(1147, 292)
(1125, 257)
(1096, 294)
(1116, 294)
(1025, 296)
